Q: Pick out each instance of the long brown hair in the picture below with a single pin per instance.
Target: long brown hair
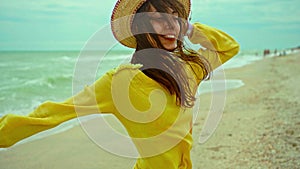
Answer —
(165, 67)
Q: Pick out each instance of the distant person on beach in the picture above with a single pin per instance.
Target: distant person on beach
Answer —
(283, 53)
(153, 95)
(266, 52)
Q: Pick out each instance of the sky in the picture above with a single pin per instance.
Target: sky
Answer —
(69, 24)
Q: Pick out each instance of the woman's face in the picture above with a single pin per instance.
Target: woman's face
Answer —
(166, 26)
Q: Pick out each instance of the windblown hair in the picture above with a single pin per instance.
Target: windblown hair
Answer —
(167, 67)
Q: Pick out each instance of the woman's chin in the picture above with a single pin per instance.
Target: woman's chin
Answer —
(169, 44)
(170, 47)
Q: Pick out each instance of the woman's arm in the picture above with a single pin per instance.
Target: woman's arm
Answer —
(93, 99)
(219, 47)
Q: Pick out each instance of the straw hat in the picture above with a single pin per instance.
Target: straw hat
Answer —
(122, 17)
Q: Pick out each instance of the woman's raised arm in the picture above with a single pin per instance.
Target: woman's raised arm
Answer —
(219, 47)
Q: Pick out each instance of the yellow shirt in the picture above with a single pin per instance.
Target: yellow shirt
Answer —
(160, 130)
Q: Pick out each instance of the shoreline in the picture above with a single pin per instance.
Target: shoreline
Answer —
(258, 128)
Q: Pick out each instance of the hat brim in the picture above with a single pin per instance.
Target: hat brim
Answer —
(122, 17)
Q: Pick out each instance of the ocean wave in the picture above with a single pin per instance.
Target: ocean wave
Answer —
(23, 68)
(241, 60)
(62, 78)
(67, 59)
(49, 81)
(219, 85)
(100, 58)
(3, 64)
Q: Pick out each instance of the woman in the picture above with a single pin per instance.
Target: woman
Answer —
(154, 95)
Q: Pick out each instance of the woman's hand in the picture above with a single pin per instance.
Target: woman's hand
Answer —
(190, 28)
(187, 28)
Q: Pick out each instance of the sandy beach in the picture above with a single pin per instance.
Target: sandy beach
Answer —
(259, 129)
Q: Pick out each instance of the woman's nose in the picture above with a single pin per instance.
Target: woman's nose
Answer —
(169, 23)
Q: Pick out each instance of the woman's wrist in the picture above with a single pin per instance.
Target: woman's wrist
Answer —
(190, 28)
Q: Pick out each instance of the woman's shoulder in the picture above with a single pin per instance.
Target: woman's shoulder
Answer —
(132, 73)
(126, 67)
(121, 75)
(124, 70)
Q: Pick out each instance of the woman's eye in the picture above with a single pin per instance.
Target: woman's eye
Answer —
(163, 19)
(176, 18)
(160, 19)
(175, 14)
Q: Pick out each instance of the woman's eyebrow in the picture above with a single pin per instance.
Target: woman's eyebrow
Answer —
(174, 12)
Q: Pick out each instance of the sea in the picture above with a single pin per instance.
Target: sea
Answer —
(28, 78)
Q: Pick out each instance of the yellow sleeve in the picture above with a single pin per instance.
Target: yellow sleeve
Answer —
(93, 99)
(219, 47)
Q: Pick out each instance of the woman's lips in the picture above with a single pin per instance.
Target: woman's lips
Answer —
(169, 37)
